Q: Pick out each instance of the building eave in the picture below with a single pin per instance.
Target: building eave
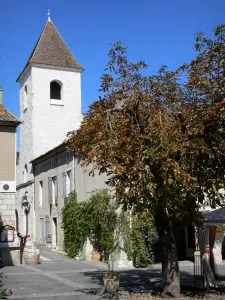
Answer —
(25, 184)
(58, 149)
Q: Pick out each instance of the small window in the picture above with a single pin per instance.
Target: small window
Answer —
(25, 100)
(55, 90)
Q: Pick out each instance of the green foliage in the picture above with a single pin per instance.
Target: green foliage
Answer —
(98, 220)
(105, 231)
(103, 220)
(220, 229)
(75, 223)
(139, 234)
(95, 219)
(161, 138)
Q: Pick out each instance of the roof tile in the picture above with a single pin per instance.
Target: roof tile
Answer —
(6, 116)
(51, 49)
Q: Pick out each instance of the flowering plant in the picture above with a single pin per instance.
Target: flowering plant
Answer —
(4, 293)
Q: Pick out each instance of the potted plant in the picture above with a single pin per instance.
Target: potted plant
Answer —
(95, 239)
(95, 255)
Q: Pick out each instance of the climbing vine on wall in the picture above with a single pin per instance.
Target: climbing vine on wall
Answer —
(75, 223)
(98, 218)
(139, 235)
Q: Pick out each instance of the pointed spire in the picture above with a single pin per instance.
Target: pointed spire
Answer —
(49, 16)
(51, 49)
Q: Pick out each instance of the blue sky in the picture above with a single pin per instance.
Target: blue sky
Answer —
(157, 31)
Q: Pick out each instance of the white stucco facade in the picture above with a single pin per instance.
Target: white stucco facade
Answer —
(51, 122)
(26, 139)
(45, 123)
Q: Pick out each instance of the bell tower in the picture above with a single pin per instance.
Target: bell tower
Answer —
(50, 101)
(50, 97)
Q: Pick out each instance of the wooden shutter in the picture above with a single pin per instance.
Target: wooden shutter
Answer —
(56, 189)
(64, 184)
(41, 222)
(71, 183)
(50, 190)
(46, 226)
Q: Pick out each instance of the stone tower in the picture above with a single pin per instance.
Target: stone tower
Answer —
(50, 106)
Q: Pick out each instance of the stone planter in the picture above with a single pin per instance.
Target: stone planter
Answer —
(95, 256)
(111, 283)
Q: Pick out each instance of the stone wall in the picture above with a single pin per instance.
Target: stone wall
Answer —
(8, 206)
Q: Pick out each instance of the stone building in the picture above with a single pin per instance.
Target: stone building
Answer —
(9, 244)
(50, 106)
(8, 125)
(57, 173)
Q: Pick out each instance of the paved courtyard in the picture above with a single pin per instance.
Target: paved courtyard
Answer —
(61, 278)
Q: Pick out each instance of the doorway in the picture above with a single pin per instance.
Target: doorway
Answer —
(54, 233)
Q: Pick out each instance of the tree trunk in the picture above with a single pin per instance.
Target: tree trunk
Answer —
(170, 266)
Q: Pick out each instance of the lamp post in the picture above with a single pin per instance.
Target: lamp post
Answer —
(26, 206)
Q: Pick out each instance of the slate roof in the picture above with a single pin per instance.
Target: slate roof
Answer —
(51, 49)
(7, 117)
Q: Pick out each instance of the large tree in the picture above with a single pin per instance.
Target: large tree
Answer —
(161, 139)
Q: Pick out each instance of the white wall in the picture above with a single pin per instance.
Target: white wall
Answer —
(26, 139)
(44, 125)
(50, 123)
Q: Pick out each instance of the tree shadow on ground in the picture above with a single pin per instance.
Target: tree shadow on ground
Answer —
(133, 281)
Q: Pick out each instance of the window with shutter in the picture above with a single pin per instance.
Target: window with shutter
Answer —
(54, 190)
(50, 190)
(47, 233)
(69, 182)
(64, 184)
(41, 222)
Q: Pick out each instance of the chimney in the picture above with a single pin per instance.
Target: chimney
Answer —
(2, 109)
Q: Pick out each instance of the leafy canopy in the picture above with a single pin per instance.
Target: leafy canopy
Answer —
(160, 138)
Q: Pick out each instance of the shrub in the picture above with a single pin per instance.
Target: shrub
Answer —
(75, 223)
(139, 236)
(98, 220)
(103, 220)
